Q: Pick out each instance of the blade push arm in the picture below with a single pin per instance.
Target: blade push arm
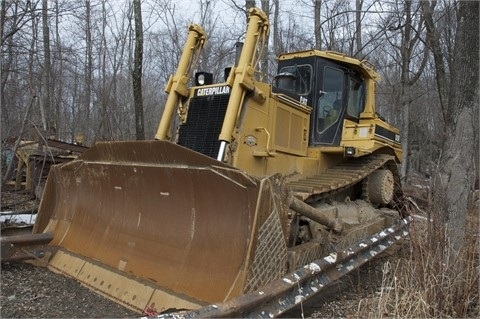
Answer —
(242, 75)
(177, 84)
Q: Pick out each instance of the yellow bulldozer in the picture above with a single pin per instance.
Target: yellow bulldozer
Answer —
(244, 182)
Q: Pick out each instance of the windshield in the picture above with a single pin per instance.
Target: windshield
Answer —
(301, 76)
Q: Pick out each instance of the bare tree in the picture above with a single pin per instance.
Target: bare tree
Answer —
(249, 4)
(7, 54)
(88, 73)
(358, 28)
(433, 40)
(317, 9)
(105, 129)
(460, 105)
(137, 71)
(403, 29)
(46, 106)
(58, 71)
(277, 43)
(264, 58)
(20, 15)
(410, 40)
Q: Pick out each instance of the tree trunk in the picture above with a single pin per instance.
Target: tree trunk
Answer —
(7, 59)
(249, 4)
(46, 79)
(3, 12)
(406, 52)
(433, 40)
(58, 85)
(277, 43)
(410, 38)
(137, 71)
(456, 172)
(358, 29)
(106, 130)
(317, 23)
(87, 96)
(19, 139)
(264, 58)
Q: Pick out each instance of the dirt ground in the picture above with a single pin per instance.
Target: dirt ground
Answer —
(29, 291)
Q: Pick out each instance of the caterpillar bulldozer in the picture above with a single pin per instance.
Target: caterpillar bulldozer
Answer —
(244, 181)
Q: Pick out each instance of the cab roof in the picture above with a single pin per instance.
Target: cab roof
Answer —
(364, 67)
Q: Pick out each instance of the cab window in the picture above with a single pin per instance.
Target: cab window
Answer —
(330, 101)
(296, 78)
(356, 98)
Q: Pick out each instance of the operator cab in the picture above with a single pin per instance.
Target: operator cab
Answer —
(333, 90)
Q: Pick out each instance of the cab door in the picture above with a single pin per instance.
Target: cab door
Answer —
(340, 94)
(329, 107)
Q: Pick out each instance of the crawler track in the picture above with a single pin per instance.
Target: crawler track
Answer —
(342, 176)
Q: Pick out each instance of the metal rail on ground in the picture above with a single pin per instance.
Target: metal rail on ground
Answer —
(295, 288)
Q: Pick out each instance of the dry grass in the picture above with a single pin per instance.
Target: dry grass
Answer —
(430, 280)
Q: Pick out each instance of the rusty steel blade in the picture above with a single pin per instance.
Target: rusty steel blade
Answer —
(153, 210)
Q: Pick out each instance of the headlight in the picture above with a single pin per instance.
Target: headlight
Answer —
(349, 151)
(203, 78)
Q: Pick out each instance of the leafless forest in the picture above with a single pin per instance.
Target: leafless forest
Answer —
(92, 70)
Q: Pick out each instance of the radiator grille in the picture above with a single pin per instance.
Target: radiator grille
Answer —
(204, 122)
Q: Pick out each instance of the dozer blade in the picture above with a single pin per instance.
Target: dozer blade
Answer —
(152, 222)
